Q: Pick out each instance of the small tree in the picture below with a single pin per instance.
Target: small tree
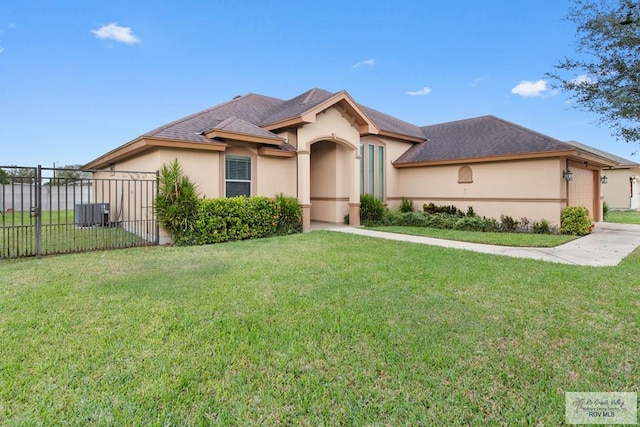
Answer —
(604, 76)
(176, 205)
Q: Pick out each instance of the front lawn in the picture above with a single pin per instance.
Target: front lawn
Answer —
(489, 238)
(321, 328)
(623, 217)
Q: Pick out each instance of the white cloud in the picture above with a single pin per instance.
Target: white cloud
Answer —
(424, 91)
(477, 81)
(529, 89)
(1, 49)
(582, 79)
(115, 32)
(367, 62)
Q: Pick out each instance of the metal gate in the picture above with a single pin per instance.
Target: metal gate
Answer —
(47, 211)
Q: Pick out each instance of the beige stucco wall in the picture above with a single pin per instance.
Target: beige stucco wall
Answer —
(527, 188)
(617, 192)
(393, 150)
(331, 144)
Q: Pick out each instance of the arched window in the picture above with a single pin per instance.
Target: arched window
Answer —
(465, 174)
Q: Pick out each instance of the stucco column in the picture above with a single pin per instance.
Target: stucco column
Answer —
(304, 187)
(354, 196)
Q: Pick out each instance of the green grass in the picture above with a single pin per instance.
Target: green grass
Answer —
(623, 217)
(490, 238)
(59, 235)
(321, 328)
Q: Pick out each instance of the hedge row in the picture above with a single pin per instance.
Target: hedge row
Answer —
(440, 220)
(574, 220)
(240, 218)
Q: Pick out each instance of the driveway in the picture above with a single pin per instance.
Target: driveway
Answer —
(607, 245)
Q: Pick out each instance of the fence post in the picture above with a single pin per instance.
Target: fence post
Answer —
(153, 208)
(37, 212)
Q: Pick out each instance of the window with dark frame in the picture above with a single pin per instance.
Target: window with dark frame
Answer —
(237, 176)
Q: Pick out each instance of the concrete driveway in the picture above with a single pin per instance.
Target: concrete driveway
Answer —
(607, 245)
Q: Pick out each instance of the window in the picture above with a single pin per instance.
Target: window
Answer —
(237, 176)
(361, 168)
(372, 170)
(380, 172)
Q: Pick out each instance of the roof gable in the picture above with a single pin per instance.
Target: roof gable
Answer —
(305, 107)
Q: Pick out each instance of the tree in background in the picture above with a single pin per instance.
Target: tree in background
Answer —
(4, 177)
(604, 76)
(69, 174)
(18, 175)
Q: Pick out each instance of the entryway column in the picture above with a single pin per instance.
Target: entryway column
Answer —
(354, 197)
(304, 187)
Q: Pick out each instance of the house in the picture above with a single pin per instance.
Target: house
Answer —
(326, 149)
(621, 191)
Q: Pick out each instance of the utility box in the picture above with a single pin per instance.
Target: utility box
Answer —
(91, 215)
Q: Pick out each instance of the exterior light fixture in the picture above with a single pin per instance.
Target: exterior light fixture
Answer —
(567, 175)
(604, 179)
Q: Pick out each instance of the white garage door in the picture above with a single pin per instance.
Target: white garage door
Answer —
(582, 189)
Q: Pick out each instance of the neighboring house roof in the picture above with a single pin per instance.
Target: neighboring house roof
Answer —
(480, 139)
(622, 163)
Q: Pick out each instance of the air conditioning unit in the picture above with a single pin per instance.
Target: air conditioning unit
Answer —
(91, 214)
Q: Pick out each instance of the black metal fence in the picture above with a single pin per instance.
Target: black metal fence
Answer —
(48, 211)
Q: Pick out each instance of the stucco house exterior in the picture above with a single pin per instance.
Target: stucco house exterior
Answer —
(620, 188)
(326, 149)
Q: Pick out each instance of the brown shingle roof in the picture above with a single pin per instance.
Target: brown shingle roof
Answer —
(255, 111)
(392, 124)
(249, 108)
(486, 136)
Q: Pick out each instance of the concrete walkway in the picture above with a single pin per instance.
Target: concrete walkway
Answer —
(607, 245)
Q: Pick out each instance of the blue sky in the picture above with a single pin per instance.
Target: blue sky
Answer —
(79, 78)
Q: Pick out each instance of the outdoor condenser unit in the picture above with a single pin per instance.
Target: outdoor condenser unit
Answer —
(91, 214)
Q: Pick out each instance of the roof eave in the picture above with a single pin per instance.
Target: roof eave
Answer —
(401, 136)
(498, 158)
(272, 152)
(239, 136)
(142, 144)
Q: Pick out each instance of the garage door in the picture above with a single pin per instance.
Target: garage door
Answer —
(582, 189)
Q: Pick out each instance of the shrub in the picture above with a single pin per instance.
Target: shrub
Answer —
(470, 211)
(236, 218)
(176, 204)
(575, 220)
(289, 215)
(476, 223)
(371, 210)
(605, 209)
(431, 208)
(508, 224)
(406, 205)
(541, 227)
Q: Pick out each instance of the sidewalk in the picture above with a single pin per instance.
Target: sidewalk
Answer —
(607, 245)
